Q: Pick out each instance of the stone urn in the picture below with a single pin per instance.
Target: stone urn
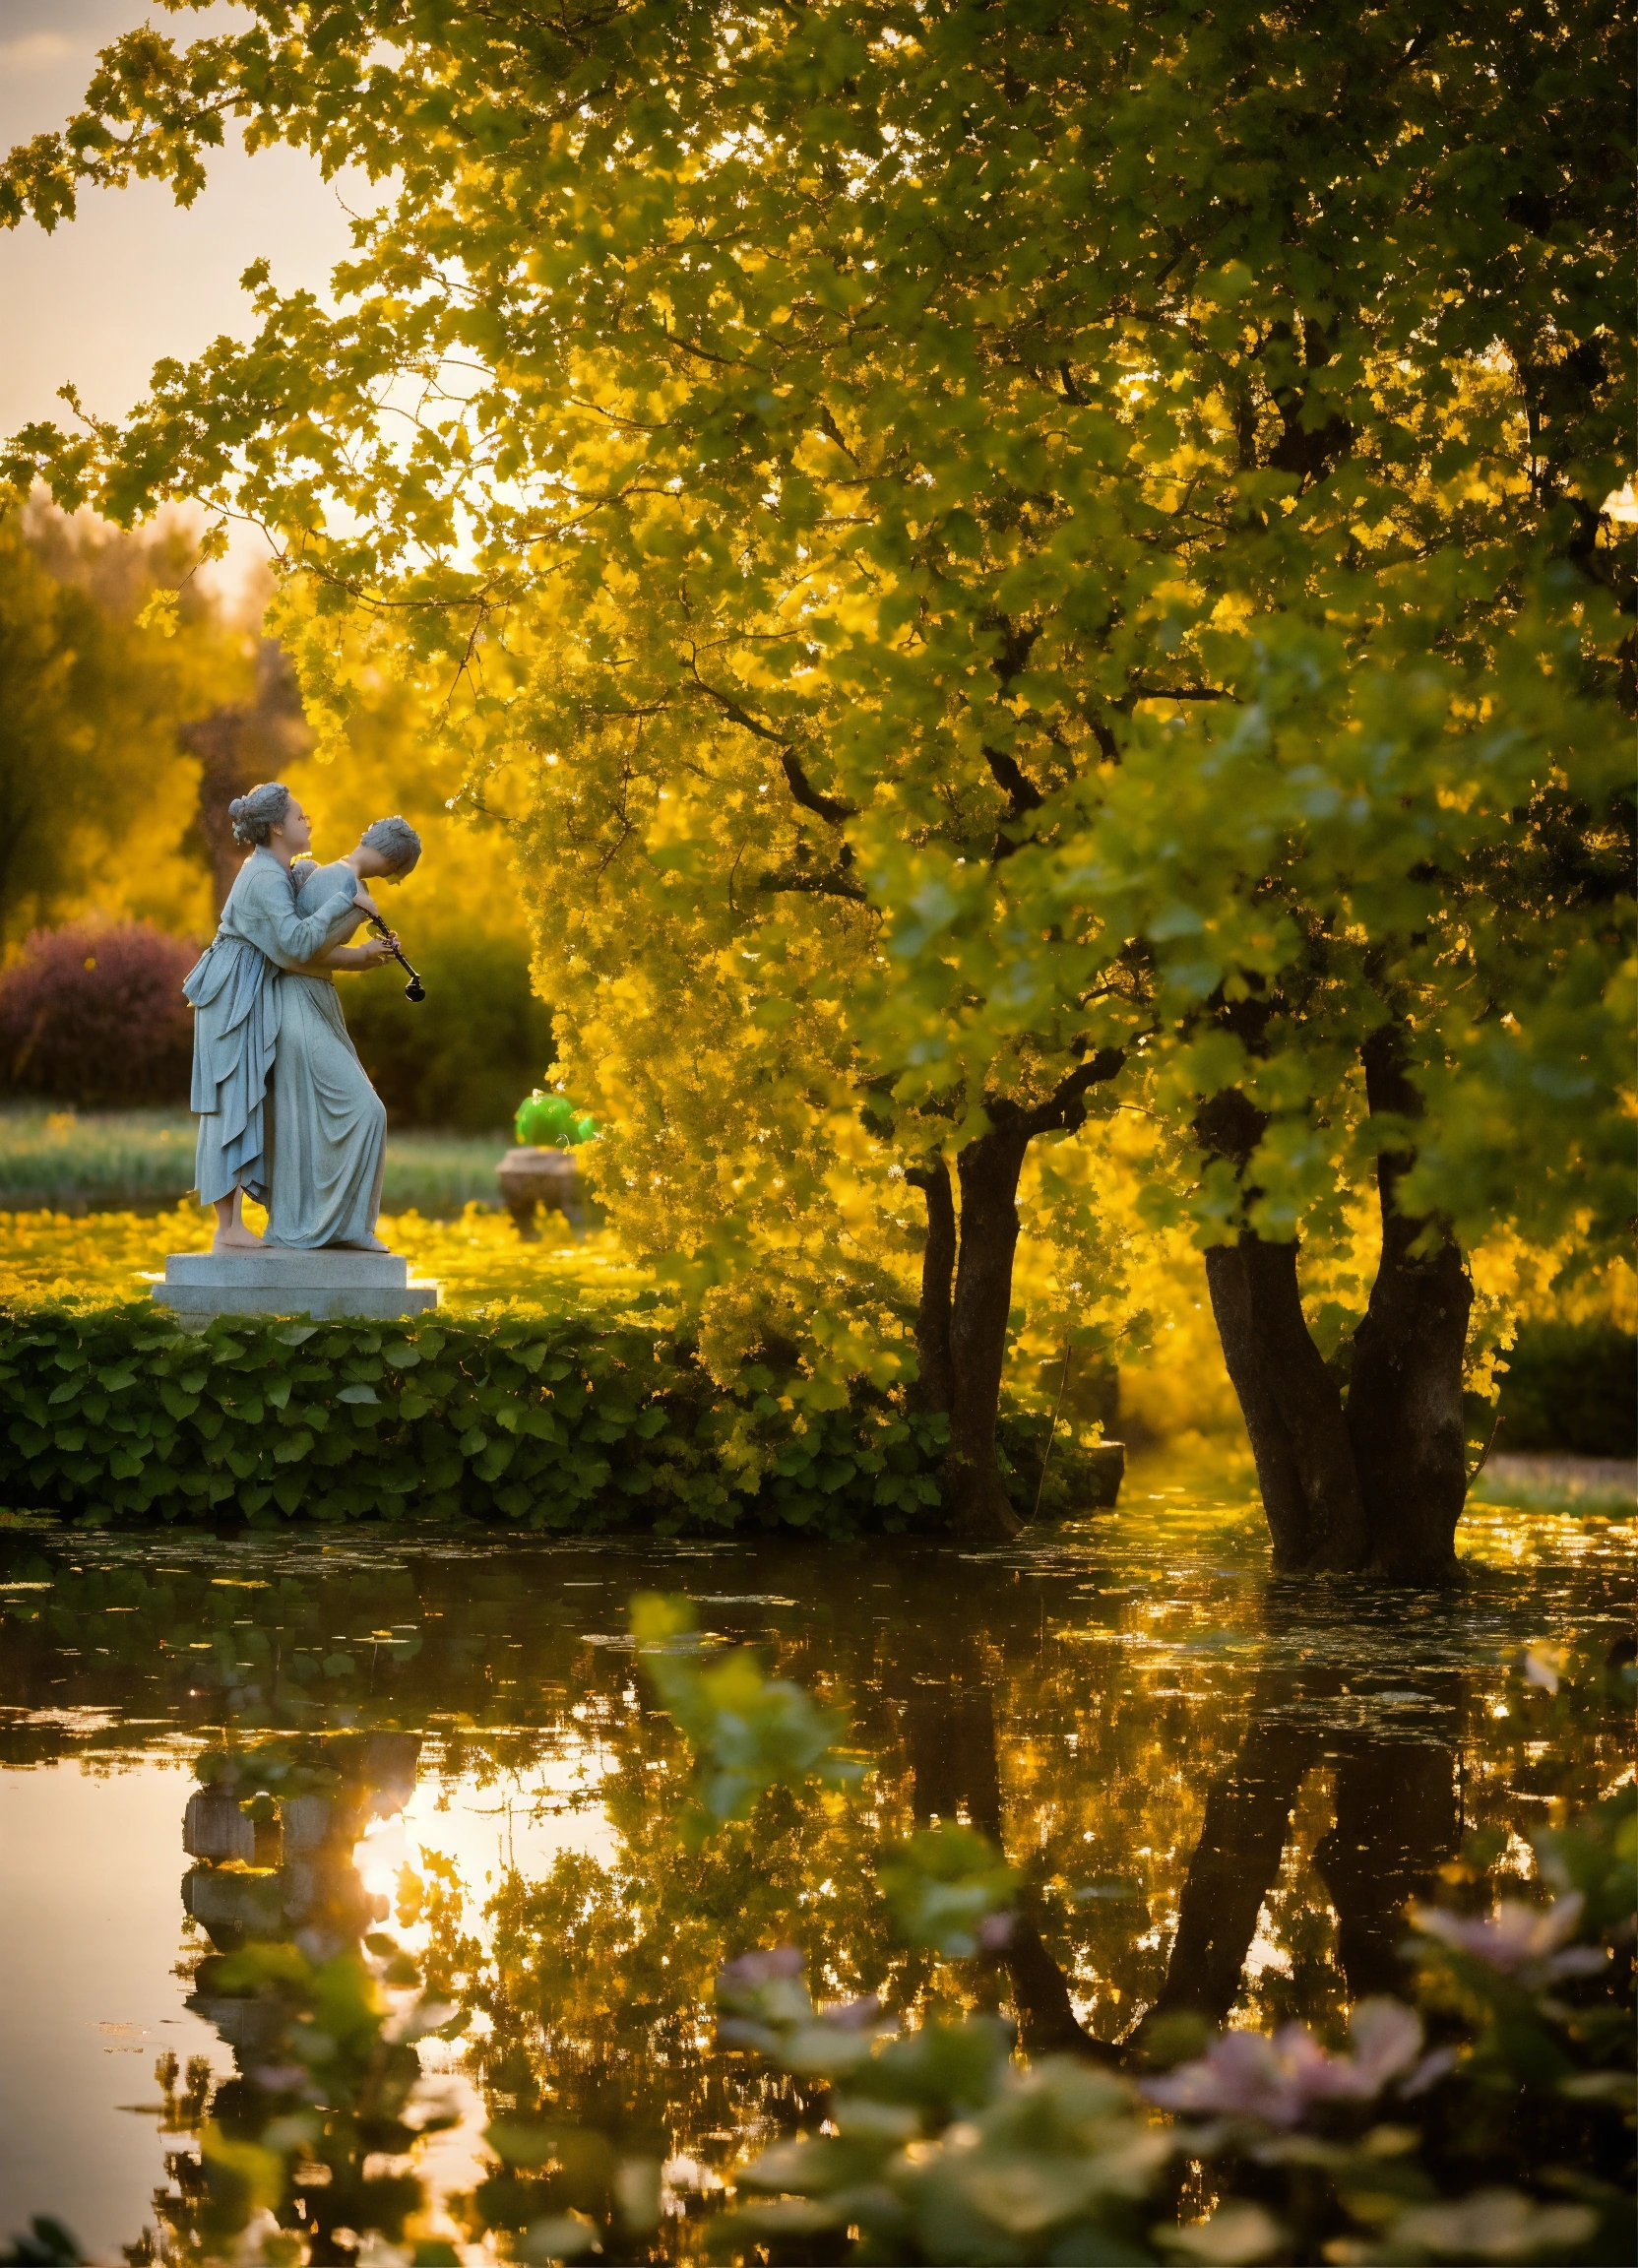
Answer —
(213, 1827)
(531, 1177)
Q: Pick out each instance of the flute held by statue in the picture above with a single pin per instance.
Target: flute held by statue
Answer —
(415, 989)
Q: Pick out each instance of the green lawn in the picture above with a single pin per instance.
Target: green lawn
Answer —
(67, 1162)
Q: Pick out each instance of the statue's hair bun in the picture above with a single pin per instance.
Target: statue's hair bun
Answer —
(253, 817)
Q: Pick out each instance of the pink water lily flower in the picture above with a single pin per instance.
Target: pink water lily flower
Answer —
(1279, 2080)
(1517, 1940)
(777, 1965)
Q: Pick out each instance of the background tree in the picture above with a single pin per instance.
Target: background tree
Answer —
(1105, 512)
(96, 788)
(239, 744)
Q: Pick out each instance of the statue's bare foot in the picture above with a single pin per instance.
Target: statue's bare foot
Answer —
(236, 1239)
(362, 1244)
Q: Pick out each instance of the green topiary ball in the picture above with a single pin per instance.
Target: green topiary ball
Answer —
(552, 1122)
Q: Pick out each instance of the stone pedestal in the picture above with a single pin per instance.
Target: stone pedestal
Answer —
(531, 1177)
(373, 1285)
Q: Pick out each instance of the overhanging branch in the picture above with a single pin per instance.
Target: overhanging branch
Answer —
(831, 808)
(1020, 790)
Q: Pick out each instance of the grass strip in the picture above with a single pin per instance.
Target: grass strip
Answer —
(67, 1162)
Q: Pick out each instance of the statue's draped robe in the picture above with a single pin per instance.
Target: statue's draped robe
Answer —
(328, 1125)
(234, 993)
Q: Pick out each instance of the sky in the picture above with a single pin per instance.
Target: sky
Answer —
(135, 276)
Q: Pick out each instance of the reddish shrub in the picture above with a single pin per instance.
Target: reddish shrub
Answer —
(95, 1015)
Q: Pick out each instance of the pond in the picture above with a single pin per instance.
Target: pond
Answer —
(1220, 1791)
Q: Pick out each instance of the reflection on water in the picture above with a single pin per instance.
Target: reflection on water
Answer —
(1220, 1791)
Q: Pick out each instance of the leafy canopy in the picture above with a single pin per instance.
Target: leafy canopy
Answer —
(979, 544)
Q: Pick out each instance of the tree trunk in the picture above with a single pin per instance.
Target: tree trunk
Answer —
(961, 1325)
(988, 1169)
(1380, 1486)
(1291, 1405)
(1405, 1415)
(1235, 1865)
(962, 1330)
(236, 746)
(935, 1387)
(955, 1769)
(1396, 1823)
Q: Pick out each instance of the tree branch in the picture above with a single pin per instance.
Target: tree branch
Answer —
(830, 809)
(833, 432)
(831, 884)
(1065, 1107)
(1024, 795)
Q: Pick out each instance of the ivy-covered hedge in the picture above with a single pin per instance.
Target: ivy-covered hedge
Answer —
(551, 1422)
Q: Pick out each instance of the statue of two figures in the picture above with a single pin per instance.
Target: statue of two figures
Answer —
(286, 1115)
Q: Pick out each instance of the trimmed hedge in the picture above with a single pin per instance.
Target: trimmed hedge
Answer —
(94, 1015)
(551, 1422)
(1571, 1386)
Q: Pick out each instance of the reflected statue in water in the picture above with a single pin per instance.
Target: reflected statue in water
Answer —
(270, 1881)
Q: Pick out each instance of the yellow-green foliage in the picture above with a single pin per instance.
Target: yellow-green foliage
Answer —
(108, 670)
(480, 1260)
(962, 546)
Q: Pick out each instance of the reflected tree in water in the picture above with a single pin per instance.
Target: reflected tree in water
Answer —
(1180, 1770)
(1396, 1821)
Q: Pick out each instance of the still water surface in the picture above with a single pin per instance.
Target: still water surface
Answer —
(1221, 1790)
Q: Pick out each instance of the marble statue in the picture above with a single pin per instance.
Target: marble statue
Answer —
(285, 1111)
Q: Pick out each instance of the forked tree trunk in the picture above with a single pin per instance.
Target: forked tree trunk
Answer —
(1380, 1486)
(1404, 1415)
